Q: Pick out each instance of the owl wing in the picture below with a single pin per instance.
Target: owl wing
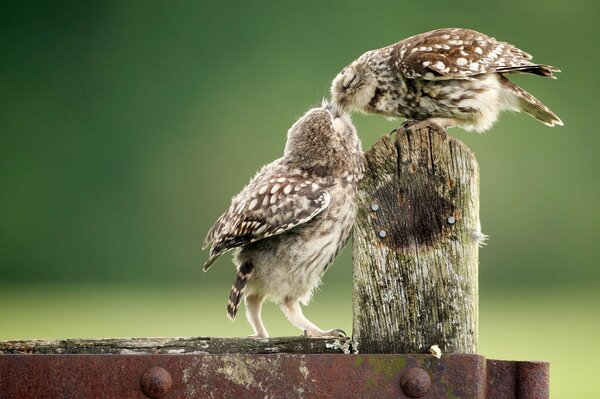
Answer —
(269, 205)
(455, 53)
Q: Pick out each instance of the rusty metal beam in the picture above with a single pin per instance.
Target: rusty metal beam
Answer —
(270, 375)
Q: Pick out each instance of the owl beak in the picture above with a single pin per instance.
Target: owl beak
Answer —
(339, 93)
(341, 99)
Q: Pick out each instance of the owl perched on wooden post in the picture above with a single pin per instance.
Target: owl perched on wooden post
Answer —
(450, 77)
(292, 219)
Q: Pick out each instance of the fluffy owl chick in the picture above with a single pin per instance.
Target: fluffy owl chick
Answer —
(292, 219)
(451, 77)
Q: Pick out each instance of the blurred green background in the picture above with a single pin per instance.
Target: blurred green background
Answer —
(126, 127)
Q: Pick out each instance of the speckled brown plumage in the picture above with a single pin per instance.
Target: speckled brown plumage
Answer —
(288, 224)
(450, 76)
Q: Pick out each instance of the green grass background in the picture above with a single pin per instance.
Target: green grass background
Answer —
(126, 127)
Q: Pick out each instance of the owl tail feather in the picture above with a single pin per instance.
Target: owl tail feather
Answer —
(531, 105)
(536, 69)
(534, 107)
(211, 259)
(237, 289)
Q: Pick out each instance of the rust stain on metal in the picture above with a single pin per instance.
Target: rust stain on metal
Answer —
(270, 375)
(522, 380)
(532, 380)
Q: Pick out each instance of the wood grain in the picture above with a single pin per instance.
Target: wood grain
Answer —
(416, 242)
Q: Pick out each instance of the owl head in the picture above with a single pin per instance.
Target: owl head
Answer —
(324, 135)
(354, 87)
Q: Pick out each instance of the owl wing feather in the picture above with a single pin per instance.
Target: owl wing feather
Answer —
(270, 204)
(454, 53)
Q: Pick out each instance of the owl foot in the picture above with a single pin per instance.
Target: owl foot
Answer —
(335, 333)
(258, 336)
(411, 126)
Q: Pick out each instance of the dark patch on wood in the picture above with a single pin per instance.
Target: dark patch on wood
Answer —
(412, 216)
(415, 214)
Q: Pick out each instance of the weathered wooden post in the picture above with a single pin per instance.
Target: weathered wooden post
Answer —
(416, 246)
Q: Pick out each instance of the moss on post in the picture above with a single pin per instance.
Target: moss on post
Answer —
(416, 245)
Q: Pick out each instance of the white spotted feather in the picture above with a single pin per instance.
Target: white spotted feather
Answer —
(265, 207)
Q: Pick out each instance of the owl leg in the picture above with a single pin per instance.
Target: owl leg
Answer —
(293, 312)
(253, 308)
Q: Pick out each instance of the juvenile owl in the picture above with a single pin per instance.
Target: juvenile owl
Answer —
(292, 219)
(450, 77)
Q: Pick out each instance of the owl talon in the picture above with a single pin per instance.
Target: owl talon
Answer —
(414, 126)
(406, 124)
(335, 333)
(340, 333)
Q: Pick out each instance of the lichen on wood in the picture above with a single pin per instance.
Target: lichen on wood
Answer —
(192, 345)
(416, 243)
